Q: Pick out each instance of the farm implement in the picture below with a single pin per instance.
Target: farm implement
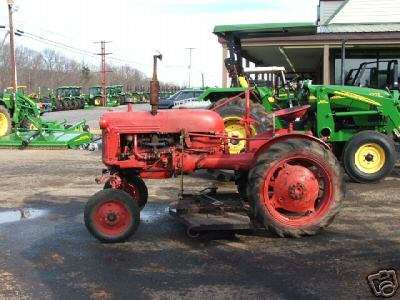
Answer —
(21, 126)
(292, 183)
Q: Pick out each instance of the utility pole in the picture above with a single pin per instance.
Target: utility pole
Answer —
(190, 62)
(103, 71)
(12, 47)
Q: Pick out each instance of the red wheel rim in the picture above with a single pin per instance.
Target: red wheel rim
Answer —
(112, 217)
(298, 190)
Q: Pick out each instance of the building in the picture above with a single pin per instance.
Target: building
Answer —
(368, 30)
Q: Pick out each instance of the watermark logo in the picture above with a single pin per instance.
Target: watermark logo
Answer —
(384, 283)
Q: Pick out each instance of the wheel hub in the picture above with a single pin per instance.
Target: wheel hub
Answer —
(296, 189)
(112, 217)
(370, 158)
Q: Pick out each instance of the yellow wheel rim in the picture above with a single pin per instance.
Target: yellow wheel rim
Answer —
(32, 127)
(234, 129)
(97, 101)
(370, 158)
(3, 124)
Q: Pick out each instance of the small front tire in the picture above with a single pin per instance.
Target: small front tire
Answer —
(112, 216)
(369, 156)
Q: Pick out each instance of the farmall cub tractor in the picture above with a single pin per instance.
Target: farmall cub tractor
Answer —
(290, 182)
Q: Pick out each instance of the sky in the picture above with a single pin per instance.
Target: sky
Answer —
(137, 29)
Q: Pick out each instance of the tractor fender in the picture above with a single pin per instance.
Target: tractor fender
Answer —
(287, 136)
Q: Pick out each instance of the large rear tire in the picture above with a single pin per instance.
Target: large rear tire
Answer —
(75, 103)
(112, 216)
(296, 188)
(232, 114)
(5, 121)
(369, 156)
(59, 106)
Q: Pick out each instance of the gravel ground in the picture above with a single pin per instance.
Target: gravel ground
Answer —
(53, 256)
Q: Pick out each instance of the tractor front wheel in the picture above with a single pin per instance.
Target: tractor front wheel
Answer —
(112, 216)
(296, 188)
(97, 102)
(5, 121)
(369, 156)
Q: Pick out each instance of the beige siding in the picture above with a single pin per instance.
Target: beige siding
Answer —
(368, 12)
(327, 9)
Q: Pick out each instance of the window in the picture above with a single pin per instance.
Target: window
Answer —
(368, 67)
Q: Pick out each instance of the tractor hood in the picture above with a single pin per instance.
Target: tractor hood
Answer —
(171, 121)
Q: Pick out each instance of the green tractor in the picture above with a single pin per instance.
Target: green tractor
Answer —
(361, 123)
(117, 92)
(22, 126)
(68, 98)
(95, 96)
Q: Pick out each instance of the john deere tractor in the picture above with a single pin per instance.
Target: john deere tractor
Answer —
(117, 92)
(95, 96)
(359, 122)
(68, 97)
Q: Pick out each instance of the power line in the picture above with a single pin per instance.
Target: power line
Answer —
(80, 51)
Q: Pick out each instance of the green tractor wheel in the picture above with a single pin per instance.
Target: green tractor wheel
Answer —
(59, 105)
(76, 103)
(97, 101)
(81, 103)
(232, 114)
(5, 121)
(64, 104)
(369, 156)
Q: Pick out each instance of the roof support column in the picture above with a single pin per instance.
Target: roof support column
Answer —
(224, 73)
(326, 66)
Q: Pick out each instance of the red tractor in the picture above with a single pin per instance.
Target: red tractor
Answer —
(289, 182)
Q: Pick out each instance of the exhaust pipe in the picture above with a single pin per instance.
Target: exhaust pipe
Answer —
(155, 86)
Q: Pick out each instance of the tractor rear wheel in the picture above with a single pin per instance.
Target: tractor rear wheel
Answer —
(74, 104)
(81, 103)
(369, 156)
(135, 187)
(296, 188)
(65, 104)
(5, 121)
(112, 216)
(59, 106)
(233, 113)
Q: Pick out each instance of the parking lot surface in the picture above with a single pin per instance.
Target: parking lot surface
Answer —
(47, 253)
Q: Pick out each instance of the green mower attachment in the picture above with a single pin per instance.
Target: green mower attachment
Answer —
(21, 126)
